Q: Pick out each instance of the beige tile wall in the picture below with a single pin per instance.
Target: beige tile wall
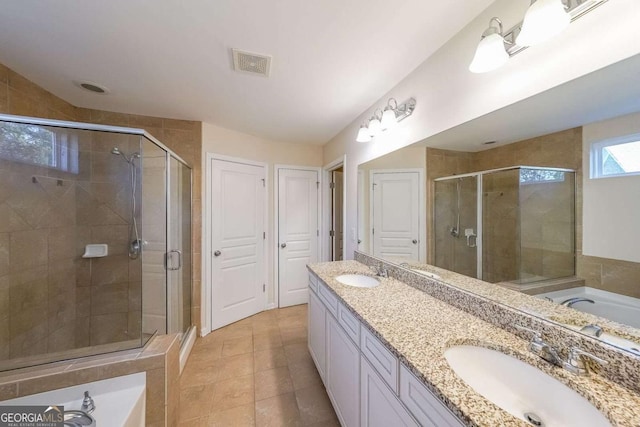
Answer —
(561, 149)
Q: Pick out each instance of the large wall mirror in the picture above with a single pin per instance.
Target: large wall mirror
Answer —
(541, 197)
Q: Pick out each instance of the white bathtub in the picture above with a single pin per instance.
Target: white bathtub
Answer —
(120, 401)
(619, 308)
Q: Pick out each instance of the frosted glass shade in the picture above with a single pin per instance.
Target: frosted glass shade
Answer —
(490, 54)
(374, 126)
(544, 19)
(363, 134)
(389, 120)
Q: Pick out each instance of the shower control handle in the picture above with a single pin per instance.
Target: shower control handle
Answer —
(217, 253)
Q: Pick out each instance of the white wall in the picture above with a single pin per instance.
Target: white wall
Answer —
(218, 140)
(611, 206)
(449, 95)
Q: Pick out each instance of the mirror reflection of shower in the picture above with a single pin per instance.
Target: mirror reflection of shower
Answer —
(455, 231)
(135, 247)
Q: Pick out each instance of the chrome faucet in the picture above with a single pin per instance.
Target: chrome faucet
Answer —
(577, 361)
(88, 405)
(571, 301)
(541, 348)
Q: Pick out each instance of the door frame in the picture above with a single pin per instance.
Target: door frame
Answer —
(276, 230)
(325, 226)
(422, 211)
(207, 250)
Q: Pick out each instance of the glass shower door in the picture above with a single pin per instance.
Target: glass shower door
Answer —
(179, 248)
(456, 224)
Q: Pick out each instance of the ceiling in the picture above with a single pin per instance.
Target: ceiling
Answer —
(332, 59)
(603, 94)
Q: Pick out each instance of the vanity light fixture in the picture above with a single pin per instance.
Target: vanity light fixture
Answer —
(490, 53)
(543, 20)
(393, 114)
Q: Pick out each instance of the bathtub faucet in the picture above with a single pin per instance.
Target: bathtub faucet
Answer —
(571, 301)
(88, 405)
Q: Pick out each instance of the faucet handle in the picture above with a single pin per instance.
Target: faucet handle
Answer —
(576, 361)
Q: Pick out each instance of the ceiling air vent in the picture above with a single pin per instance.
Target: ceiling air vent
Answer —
(253, 63)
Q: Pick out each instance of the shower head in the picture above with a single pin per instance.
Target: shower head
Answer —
(117, 152)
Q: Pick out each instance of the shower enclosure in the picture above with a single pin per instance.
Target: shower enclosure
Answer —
(95, 240)
(507, 225)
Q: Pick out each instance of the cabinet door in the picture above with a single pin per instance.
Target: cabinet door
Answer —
(343, 374)
(423, 405)
(379, 405)
(316, 332)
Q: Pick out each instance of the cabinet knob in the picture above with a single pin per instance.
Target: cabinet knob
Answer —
(217, 253)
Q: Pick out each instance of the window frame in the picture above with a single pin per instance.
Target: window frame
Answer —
(595, 155)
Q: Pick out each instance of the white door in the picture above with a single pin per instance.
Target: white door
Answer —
(237, 258)
(337, 235)
(395, 214)
(297, 232)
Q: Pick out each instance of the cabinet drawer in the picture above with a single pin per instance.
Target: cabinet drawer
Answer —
(423, 405)
(313, 283)
(385, 363)
(329, 299)
(349, 323)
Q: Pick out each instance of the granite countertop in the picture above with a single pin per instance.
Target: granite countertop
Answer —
(418, 328)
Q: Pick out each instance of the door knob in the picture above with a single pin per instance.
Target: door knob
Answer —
(414, 241)
(217, 253)
(283, 245)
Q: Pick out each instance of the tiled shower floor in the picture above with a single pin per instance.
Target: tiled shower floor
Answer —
(256, 372)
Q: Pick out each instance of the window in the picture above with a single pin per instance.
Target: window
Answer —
(38, 145)
(616, 157)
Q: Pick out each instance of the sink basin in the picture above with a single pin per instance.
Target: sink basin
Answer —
(521, 389)
(358, 280)
(426, 273)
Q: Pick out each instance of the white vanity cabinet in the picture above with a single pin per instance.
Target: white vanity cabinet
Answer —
(316, 331)
(343, 373)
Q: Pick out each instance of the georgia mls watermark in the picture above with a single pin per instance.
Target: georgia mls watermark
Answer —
(31, 416)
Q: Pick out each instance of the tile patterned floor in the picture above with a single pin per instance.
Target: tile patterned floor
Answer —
(256, 372)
